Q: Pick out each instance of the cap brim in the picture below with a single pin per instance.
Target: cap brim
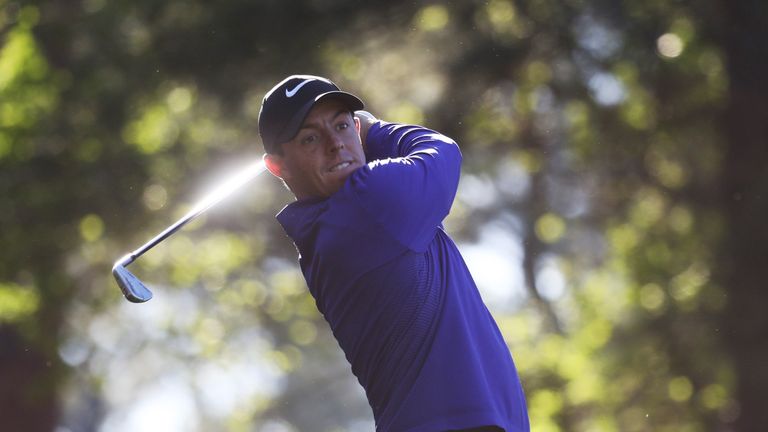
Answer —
(292, 127)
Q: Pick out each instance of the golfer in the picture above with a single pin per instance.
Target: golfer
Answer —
(367, 221)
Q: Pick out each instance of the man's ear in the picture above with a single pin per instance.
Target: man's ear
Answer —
(275, 164)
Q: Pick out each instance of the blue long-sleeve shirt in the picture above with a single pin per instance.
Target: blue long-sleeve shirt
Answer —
(397, 293)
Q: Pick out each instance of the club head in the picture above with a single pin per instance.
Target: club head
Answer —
(132, 288)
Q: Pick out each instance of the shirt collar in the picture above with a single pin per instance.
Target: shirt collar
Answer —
(298, 216)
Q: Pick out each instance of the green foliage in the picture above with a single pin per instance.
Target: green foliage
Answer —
(17, 303)
(27, 91)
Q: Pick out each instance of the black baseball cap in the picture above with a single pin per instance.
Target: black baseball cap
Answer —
(285, 106)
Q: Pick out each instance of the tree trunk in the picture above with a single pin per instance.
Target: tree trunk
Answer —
(27, 383)
(745, 207)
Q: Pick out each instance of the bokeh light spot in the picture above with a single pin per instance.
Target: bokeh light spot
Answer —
(713, 396)
(652, 297)
(17, 302)
(669, 45)
(550, 228)
(680, 389)
(406, 113)
(155, 197)
(432, 18)
(153, 131)
(91, 227)
(303, 332)
(179, 99)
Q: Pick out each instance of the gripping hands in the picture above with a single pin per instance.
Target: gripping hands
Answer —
(366, 121)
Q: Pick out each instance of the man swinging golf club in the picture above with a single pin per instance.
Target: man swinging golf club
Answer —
(371, 198)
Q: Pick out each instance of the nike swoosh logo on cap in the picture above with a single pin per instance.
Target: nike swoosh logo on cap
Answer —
(290, 93)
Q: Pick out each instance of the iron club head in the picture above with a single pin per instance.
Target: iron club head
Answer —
(130, 285)
(132, 288)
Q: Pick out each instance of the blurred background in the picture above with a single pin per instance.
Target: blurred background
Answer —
(612, 206)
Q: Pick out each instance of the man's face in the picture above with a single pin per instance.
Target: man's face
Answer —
(326, 150)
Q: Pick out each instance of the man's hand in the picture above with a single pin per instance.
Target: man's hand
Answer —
(366, 121)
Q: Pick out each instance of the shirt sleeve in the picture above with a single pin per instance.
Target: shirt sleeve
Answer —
(410, 181)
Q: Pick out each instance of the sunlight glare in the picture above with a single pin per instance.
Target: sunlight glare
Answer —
(168, 405)
(228, 187)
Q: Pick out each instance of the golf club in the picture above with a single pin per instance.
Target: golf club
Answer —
(130, 285)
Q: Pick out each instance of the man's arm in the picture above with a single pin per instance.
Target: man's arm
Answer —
(410, 181)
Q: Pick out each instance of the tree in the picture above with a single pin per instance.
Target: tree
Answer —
(744, 245)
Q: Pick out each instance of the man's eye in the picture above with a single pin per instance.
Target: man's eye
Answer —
(342, 126)
(309, 139)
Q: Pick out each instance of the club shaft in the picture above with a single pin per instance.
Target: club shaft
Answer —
(203, 205)
(160, 237)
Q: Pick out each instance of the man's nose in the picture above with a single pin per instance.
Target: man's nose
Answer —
(335, 142)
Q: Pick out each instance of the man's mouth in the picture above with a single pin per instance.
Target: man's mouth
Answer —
(340, 166)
